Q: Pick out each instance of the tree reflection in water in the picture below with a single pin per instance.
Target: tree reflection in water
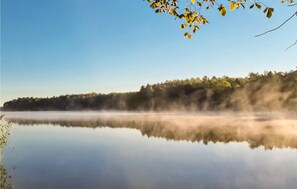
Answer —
(267, 130)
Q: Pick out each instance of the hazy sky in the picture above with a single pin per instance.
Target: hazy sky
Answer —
(54, 47)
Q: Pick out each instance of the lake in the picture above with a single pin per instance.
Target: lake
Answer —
(129, 150)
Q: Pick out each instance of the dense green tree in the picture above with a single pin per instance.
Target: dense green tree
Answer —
(268, 91)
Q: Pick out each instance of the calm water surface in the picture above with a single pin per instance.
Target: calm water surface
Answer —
(96, 150)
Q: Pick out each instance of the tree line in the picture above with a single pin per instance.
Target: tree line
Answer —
(274, 91)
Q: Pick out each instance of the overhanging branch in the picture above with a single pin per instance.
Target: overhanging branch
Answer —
(291, 45)
(295, 14)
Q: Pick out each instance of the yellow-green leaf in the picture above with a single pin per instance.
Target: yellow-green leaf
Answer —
(155, 5)
(232, 5)
(204, 21)
(265, 10)
(269, 12)
(258, 5)
(193, 1)
(222, 10)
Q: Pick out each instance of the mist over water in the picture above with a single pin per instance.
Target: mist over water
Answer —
(219, 150)
(268, 129)
(205, 132)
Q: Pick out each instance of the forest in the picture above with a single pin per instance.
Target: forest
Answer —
(270, 91)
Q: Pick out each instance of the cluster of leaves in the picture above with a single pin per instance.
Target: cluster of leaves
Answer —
(4, 132)
(5, 129)
(195, 93)
(192, 10)
(4, 178)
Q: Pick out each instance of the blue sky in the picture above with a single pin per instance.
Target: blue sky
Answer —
(55, 47)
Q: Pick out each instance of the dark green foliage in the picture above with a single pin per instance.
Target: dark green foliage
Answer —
(268, 91)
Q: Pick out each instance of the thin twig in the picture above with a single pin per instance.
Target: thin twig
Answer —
(291, 45)
(292, 5)
(262, 3)
(295, 14)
